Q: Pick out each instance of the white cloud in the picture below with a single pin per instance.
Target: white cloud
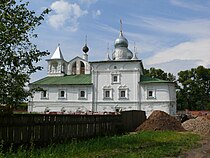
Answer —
(96, 13)
(190, 5)
(193, 28)
(65, 14)
(180, 39)
(198, 51)
(88, 2)
(174, 66)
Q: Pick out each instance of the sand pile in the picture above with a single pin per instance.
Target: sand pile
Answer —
(200, 125)
(208, 116)
(160, 120)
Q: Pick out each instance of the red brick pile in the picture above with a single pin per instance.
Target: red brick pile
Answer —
(162, 121)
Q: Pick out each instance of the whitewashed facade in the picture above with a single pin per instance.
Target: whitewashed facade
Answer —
(116, 84)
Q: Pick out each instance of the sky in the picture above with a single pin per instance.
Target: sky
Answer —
(172, 35)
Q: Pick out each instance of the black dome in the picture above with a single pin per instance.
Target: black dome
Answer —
(85, 49)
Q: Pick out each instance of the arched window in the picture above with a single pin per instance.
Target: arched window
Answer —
(63, 68)
(74, 68)
(54, 67)
(82, 68)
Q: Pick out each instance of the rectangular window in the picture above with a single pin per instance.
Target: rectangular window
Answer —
(115, 79)
(150, 93)
(122, 94)
(107, 94)
(62, 94)
(82, 94)
(44, 94)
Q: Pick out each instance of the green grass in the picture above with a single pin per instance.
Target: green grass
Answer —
(144, 144)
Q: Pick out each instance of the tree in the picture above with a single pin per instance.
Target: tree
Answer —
(194, 89)
(17, 53)
(160, 74)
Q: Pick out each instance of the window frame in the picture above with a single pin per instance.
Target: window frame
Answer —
(107, 94)
(62, 94)
(124, 93)
(124, 89)
(107, 89)
(115, 76)
(81, 96)
(151, 93)
(46, 96)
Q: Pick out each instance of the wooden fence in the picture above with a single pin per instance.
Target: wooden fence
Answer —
(46, 128)
(132, 119)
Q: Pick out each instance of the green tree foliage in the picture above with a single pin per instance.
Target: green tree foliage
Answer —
(194, 89)
(17, 53)
(160, 74)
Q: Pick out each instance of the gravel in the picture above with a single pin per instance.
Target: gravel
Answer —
(199, 125)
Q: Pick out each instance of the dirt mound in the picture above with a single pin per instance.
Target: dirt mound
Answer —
(208, 116)
(200, 125)
(160, 120)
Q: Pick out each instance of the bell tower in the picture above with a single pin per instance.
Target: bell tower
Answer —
(56, 64)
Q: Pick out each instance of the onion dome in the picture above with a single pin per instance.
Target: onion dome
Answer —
(121, 51)
(121, 41)
(85, 49)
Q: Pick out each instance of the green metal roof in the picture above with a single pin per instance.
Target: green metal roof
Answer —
(84, 79)
(147, 79)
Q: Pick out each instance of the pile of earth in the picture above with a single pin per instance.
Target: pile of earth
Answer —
(162, 121)
(208, 116)
(199, 125)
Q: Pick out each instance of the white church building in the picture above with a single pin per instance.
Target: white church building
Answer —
(110, 85)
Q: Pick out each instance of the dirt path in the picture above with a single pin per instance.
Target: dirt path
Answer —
(201, 152)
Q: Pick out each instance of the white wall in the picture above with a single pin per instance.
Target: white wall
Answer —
(70, 106)
(129, 76)
(164, 98)
(71, 101)
(163, 91)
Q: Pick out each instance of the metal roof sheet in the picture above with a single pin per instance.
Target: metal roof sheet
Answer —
(147, 79)
(82, 79)
(57, 54)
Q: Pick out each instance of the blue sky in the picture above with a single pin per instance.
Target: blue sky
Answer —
(172, 35)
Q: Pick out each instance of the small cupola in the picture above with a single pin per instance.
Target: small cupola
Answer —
(85, 50)
(56, 64)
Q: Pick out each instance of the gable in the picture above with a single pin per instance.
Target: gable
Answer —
(76, 59)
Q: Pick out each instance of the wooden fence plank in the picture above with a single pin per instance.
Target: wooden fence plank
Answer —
(45, 128)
